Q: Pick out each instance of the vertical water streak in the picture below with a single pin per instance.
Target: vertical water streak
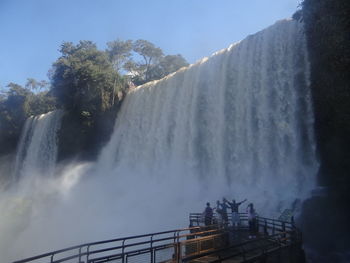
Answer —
(37, 149)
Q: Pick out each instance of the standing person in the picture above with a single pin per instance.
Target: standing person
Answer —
(219, 213)
(224, 207)
(234, 209)
(208, 215)
(251, 220)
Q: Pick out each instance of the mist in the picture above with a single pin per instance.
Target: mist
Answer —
(78, 206)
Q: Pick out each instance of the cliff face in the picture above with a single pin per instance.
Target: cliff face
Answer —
(327, 26)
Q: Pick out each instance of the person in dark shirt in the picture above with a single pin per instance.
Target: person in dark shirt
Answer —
(224, 207)
(234, 210)
(208, 215)
(252, 220)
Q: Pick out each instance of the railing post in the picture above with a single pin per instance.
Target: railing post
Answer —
(177, 253)
(178, 247)
(265, 227)
(79, 254)
(87, 253)
(123, 249)
(52, 257)
(152, 256)
(273, 226)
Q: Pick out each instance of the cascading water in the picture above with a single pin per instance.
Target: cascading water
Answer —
(37, 150)
(243, 116)
(238, 124)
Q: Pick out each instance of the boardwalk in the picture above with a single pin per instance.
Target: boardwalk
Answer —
(276, 241)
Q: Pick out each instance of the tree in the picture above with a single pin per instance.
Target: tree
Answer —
(154, 64)
(150, 54)
(34, 85)
(83, 78)
(13, 113)
(31, 84)
(167, 65)
(16, 105)
(119, 52)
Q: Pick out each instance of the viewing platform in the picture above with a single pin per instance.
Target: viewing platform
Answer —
(276, 241)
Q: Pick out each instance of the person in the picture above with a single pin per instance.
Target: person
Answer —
(224, 207)
(208, 215)
(219, 213)
(234, 210)
(251, 220)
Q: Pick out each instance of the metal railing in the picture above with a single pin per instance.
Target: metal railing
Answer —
(180, 245)
(273, 237)
(155, 247)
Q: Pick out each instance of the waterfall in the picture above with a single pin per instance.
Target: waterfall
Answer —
(37, 149)
(242, 117)
(238, 124)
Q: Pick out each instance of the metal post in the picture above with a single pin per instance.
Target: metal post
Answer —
(87, 254)
(123, 248)
(80, 255)
(152, 256)
(177, 247)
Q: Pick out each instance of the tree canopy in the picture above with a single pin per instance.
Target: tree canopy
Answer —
(17, 103)
(154, 65)
(119, 52)
(83, 78)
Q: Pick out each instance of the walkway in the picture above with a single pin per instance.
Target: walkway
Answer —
(277, 241)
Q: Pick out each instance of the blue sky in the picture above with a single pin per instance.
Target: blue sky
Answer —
(32, 30)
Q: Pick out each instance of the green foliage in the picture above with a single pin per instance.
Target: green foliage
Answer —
(14, 108)
(83, 78)
(154, 64)
(147, 50)
(16, 105)
(167, 65)
(119, 52)
(34, 85)
(150, 54)
(87, 85)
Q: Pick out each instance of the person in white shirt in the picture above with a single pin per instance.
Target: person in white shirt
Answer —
(234, 209)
